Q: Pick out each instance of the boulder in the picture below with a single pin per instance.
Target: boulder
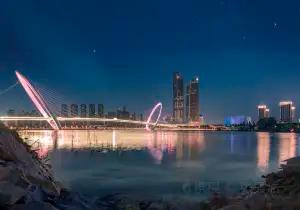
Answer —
(255, 201)
(10, 193)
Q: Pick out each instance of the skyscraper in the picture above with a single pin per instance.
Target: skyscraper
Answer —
(64, 110)
(263, 112)
(83, 110)
(74, 110)
(293, 113)
(100, 110)
(178, 98)
(92, 110)
(286, 111)
(192, 100)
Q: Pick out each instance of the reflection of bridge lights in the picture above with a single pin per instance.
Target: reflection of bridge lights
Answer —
(38, 101)
(263, 151)
(114, 143)
(158, 105)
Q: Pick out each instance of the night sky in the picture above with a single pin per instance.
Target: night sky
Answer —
(119, 52)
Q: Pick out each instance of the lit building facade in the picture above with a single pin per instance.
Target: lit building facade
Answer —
(293, 114)
(192, 100)
(178, 98)
(263, 112)
(237, 120)
(286, 111)
(83, 111)
(74, 110)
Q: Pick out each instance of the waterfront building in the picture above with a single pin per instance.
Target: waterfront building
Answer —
(92, 110)
(74, 110)
(263, 112)
(64, 110)
(237, 120)
(83, 112)
(133, 116)
(286, 111)
(293, 114)
(192, 100)
(123, 114)
(178, 98)
(100, 110)
(111, 115)
(201, 120)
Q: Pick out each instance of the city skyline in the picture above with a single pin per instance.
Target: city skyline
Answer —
(109, 51)
(186, 107)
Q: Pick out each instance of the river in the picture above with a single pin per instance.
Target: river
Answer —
(188, 164)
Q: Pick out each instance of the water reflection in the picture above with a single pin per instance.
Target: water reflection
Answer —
(287, 146)
(163, 162)
(263, 151)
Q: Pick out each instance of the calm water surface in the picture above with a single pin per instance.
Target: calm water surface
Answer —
(189, 164)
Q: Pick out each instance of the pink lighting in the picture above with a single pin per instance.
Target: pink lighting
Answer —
(158, 105)
(38, 101)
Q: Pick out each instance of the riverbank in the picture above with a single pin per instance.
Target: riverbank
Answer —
(27, 183)
(280, 191)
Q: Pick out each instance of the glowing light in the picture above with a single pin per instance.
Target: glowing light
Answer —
(262, 107)
(38, 101)
(158, 105)
(263, 151)
(283, 103)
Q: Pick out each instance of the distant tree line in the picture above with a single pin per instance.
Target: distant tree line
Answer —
(271, 125)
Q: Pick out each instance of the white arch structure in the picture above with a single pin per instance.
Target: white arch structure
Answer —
(41, 105)
(157, 106)
(38, 101)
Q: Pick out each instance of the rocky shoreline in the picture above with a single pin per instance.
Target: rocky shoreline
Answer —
(26, 183)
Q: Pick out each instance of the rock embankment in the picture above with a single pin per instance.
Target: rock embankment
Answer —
(281, 191)
(26, 182)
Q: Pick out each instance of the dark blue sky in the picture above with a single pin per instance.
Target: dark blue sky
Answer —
(119, 52)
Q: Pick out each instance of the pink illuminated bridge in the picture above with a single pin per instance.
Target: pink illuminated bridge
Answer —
(53, 121)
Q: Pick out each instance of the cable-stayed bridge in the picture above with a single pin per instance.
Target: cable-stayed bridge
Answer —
(49, 119)
(57, 123)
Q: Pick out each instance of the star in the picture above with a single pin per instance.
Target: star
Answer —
(275, 25)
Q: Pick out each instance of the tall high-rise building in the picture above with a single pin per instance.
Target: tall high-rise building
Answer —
(92, 110)
(192, 100)
(286, 111)
(267, 113)
(263, 112)
(74, 110)
(100, 110)
(64, 110)
(293, 113)
(178, 98)
(83, 111)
